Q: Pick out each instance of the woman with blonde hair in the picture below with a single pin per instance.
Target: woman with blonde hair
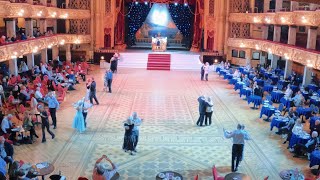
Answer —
(28, 125)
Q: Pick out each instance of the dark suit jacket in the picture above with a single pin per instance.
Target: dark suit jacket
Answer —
(202, 105)
(93, 87)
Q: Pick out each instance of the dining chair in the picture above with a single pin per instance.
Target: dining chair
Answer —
(196, 177)
(281, 107)
(266, 178)
(216, 174)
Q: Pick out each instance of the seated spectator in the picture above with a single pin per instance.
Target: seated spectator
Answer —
(3, 40)
(27, 124)
(13, 170)
(301, 149)
(36, 70)
(13, 39)
(44, 68)
(38, 95)
(101, 170)
(59, 78)
(298, 99)
(288, 92)
(7, 126)
(3, 169)
(6, 150)
(258, 91)
(23, 36)
(287, 128)
(25, 92)
(23, 68)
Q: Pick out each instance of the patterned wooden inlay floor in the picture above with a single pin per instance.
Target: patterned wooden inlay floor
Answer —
(169, 139)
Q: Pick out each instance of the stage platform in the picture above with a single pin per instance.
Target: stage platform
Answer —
(180, 60)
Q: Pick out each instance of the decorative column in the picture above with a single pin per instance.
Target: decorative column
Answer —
(67, 26)
(262, 58)
(68, 53)
(55, 26)
(248, 57)
(279, 4)
(30, 60)
(44, 55)
(312, 37)
(10, 27)
(13, 66)
(30, 1)
(264, 33)
(288, 68)
(292, 35)
(266, 6)
(43, 26)
(55, 52)
(313, 6)
(29, 27)
(274, 61)
(276, 33)
(307, 75)
(294, 5)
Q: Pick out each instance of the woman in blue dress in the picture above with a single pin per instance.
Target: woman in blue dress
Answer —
(78, 121)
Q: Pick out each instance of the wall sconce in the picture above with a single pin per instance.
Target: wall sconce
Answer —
(283, 20)
(54, 14)
(242, 45)
(77, 41)
(257, 47)
(303, 19)
(21, 12)
(102, 57)
(267, 20)
(256, 20)
(216, 61)
(39, 14)
(35, 50)
(15, 54)
(62, 42)
(269, 51)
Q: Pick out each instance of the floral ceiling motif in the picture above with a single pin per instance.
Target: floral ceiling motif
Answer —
(299, 18)
(15, 10)
(298, 55)
(26, 47)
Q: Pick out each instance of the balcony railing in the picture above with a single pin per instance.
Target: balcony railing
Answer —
(16, 10)
(303, 56)
(20, 48)
(298, 18)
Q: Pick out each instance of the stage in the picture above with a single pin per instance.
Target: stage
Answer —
(168, 60)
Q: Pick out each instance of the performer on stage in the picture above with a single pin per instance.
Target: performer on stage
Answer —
(114, 63)
(78, 121)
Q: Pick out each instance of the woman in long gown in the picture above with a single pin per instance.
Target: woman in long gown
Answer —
(129, 138)
(78, 121)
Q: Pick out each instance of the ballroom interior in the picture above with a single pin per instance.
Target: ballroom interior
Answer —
(157, 50)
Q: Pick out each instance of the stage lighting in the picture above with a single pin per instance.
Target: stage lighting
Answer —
(146, 2)
(136, 2)
(176, 4)
(185, 4)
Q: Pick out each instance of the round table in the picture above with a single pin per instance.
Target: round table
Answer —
(268, 111)
(313, 87)
(260, 82)
(286, 102)
(245, 91)
(315, 160)
(296, 139)
(315, 102)
(233, 81)
(256, 100)
(237, 176)
(278, 122)
(268, 88)
(274, 79)
(276, 96)
(44, 171)
(238, 85)
(169, 174)
(302, 111)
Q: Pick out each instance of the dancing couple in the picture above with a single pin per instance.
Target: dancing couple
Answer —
(131, 135)
(79, 121)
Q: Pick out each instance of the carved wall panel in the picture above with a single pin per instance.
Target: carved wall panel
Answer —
(80, 4)
(108, 6)
(239, 6)
(235, 30)
(307, 58)
(80, 26)
(211, 7)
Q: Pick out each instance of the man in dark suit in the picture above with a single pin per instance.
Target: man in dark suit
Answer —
(92, 94)
(203, 104)
(202, 72)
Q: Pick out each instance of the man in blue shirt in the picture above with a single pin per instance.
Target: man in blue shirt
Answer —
(3, 168)
(109, 79)
(238, 136)
(53, 105)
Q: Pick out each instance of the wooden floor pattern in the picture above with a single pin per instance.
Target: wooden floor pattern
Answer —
(169, 139)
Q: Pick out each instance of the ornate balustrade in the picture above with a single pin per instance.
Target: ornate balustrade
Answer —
(16, 10)
(306, 57)
(298, 18)
(21, 48)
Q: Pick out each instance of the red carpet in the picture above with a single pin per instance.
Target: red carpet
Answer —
(159, 62)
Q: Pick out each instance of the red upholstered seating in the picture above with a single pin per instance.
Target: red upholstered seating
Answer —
(82, 178)
(196, 177)
(266, 178)
(216, 174)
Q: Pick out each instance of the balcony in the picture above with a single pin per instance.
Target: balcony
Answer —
(306, 57)
(12, 50)
(24, 10)
(298, 18)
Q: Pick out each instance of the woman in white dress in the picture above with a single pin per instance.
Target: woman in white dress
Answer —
(88, 89)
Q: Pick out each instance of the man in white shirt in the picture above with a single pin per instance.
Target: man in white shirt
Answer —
(288, 92)
(298, 99)
(44, 69)
(137, 122)
(39, 96)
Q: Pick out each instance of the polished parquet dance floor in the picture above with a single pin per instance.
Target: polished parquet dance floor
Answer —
(169, 139)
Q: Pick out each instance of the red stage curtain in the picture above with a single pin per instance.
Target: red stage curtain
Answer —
(119, 30)
(107, 37)
(197, 26)
(210, 40)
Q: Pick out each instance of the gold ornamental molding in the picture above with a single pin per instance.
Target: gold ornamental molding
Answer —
(297, 18)
(303, 56)
(21, 48)
(24, 10)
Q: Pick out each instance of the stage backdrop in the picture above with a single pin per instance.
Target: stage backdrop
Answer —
(174, 21)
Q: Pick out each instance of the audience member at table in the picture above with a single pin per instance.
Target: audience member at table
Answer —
(7, 126)
(316, 127)
(236, 74)
(36, 70)
(300, 149)
(246, 81)
(15, 92)
(43, 68)
(288, 92)
(298, 99)
(287, 128)
(6, 150)
(297, 128)
(102, 170)
(27, 124)
(258, 91)
(3, 169)
(59, 78)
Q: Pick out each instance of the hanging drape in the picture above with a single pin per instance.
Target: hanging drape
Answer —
(197, 26)
(135, 18)
(119, 29)
(183, 18)
(210, 40)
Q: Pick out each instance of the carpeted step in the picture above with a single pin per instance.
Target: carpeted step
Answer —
(159, 62)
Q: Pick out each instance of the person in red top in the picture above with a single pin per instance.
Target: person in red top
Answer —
(2, 40)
